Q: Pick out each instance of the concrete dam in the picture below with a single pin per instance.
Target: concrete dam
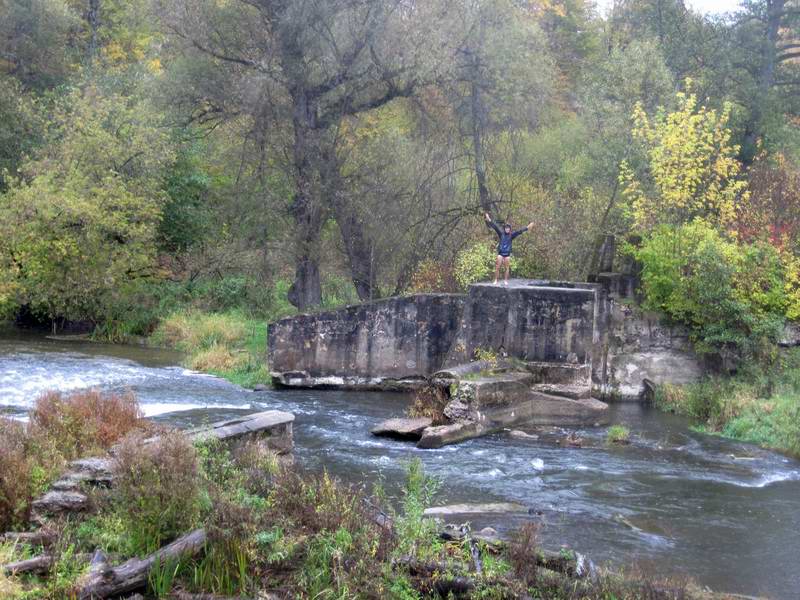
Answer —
(530, 353)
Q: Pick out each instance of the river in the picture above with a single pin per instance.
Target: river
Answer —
(676, 502)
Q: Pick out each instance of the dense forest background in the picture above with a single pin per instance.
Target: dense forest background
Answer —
(267, 155)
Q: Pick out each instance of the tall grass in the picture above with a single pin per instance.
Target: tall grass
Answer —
(231, 345)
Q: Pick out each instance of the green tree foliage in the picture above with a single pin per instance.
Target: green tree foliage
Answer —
(20, 126)
(82, 220)
(732, 296)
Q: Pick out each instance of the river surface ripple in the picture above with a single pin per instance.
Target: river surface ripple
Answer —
(676, 502)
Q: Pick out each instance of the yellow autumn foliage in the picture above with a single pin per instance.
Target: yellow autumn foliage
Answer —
(691, 170)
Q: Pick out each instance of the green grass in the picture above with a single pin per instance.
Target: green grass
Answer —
(760, 405)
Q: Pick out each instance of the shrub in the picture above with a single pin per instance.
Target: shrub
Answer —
(432, 276)
(10, 586)
(15, 475)
(474, 264)
(522, 552)
(416, 533)
(158, 488)
(732, 297)
(85, 421)
(345, 548)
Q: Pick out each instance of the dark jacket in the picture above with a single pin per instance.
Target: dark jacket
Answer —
(504, 246)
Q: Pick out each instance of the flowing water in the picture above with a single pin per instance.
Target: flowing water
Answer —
(675, 502)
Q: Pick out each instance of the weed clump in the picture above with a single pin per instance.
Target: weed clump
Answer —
(618, 434)
(84, 422)
(62, 427)
(16, 474)
(429, 401)
(158, 489)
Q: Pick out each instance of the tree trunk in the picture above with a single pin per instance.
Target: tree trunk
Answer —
(766, 76)
(478, 110)
(306, 209)
(477, 146)
(358, 248)
(93, 18)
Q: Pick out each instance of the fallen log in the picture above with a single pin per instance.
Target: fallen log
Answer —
(39, 564)
(32, 538)
(132, 575)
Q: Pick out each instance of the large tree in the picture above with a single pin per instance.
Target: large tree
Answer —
(767, 46)
(310, 65)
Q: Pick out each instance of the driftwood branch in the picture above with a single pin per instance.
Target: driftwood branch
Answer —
(132, 575)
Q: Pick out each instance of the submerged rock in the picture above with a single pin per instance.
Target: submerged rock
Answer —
(475, 509)
(410, 428)
(516, 433)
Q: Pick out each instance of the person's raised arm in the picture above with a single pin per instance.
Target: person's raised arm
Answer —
(521, 231)
(491, 223)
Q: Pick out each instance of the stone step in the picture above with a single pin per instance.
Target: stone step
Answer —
(565, 390)
(552, 372)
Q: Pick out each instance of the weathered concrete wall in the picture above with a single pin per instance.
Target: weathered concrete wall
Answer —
(394, 339)
(397, 342)
(639, 348)
(529, 320)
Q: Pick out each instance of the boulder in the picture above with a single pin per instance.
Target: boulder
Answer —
(410, 428)
(56, 503)
(436, 437)
(790, 336)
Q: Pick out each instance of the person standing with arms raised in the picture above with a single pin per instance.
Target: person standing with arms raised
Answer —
(506, 236)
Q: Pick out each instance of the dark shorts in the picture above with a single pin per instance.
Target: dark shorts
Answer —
(503, 255)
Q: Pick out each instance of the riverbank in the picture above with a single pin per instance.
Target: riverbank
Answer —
(759, 405)
(268, 528)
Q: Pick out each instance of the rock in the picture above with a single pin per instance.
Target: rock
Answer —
(572, 440)
(436, 437)
(260, 387)
(489, 536)
(475, 509)
(454, 533)
(56, 503)
(402, 428)
(790, 336)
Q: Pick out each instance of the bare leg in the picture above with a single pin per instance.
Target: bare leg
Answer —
(507, 261)
(497, 262)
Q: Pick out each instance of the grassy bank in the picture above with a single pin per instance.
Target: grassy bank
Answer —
(232, 345)
(271, 528)
(759, 404)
